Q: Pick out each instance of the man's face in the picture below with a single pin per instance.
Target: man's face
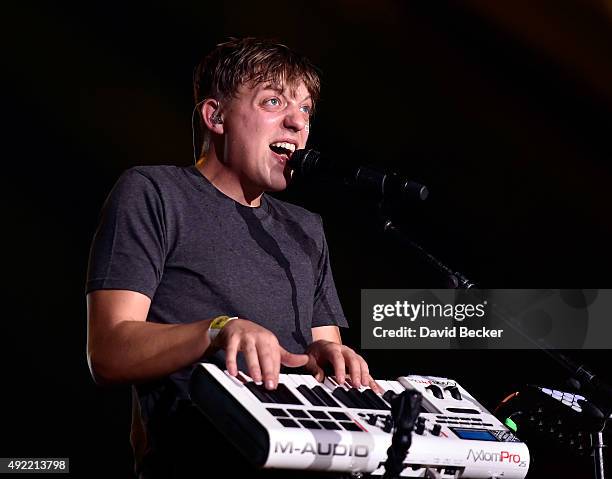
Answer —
(263, 125)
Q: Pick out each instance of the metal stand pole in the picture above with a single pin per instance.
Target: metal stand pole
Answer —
(598, 454)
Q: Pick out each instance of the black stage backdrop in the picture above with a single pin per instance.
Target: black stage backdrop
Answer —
(502, 108)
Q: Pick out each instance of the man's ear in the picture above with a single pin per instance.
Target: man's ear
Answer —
(211, 115)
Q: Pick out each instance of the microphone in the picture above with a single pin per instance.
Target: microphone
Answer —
(385, 185)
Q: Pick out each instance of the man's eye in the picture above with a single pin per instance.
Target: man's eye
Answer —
(306, 109)
(273, 101)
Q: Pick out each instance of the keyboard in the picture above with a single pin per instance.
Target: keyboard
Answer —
(308, 425)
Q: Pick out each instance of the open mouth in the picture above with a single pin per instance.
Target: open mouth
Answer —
(283, 149)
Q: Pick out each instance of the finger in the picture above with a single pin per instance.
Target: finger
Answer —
(354, 366)
(313, 368)
(293, 360)
(277, 364)
(250, 356)
(375, 386)
(231, 350)
(365, 371)
(268, 369)
(337, 361)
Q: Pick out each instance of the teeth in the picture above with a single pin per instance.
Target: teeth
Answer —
(286, 146)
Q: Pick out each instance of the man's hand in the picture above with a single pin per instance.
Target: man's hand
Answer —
(341, 357)
(262, 352)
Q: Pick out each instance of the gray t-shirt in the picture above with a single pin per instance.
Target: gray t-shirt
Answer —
(168, 233)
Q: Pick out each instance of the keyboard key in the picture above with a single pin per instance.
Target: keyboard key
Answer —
(375, 400)
(325, 396)
(284, 395)
(260, 392)
(358, 399)
(341, 395)
(310, 395)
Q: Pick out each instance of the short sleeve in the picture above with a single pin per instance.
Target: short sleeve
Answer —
(129, 246)
(327, 310)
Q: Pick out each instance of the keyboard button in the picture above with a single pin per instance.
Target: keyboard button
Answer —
(319, 414)
(298, 413)
(308, 424)
(330, 425)
(350, 426)
(339, 416)
(288, 422)
(277, 412)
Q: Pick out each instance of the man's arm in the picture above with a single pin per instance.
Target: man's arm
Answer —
(123, 347)
(327, 333)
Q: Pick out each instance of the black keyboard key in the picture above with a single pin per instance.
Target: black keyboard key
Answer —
(285, 396)
(277, 412)
(368, 400)
(288, 422)
(342, 396)
(330, 425)
(310, 396)
(358, 399)
(308, 424)
(298, 413)
(340, 416)
(350, 426)
(260, 392)
(375, 399)
(324, 396)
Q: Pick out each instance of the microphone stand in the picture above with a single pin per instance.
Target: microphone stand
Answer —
(405, 409)
(454, 279)
(599, 392)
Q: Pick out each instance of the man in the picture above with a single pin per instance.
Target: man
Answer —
(179, 249)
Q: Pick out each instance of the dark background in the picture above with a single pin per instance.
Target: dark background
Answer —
(502, 108)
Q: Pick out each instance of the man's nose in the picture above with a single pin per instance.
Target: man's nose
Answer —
(295, 119)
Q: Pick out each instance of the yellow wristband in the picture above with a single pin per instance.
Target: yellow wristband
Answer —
(217, 324)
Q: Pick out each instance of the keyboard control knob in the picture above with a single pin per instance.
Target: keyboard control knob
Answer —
(454, 392)
(388, 426)
(389, 396)
(420, 425)
(436, 391)
(436, 429)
